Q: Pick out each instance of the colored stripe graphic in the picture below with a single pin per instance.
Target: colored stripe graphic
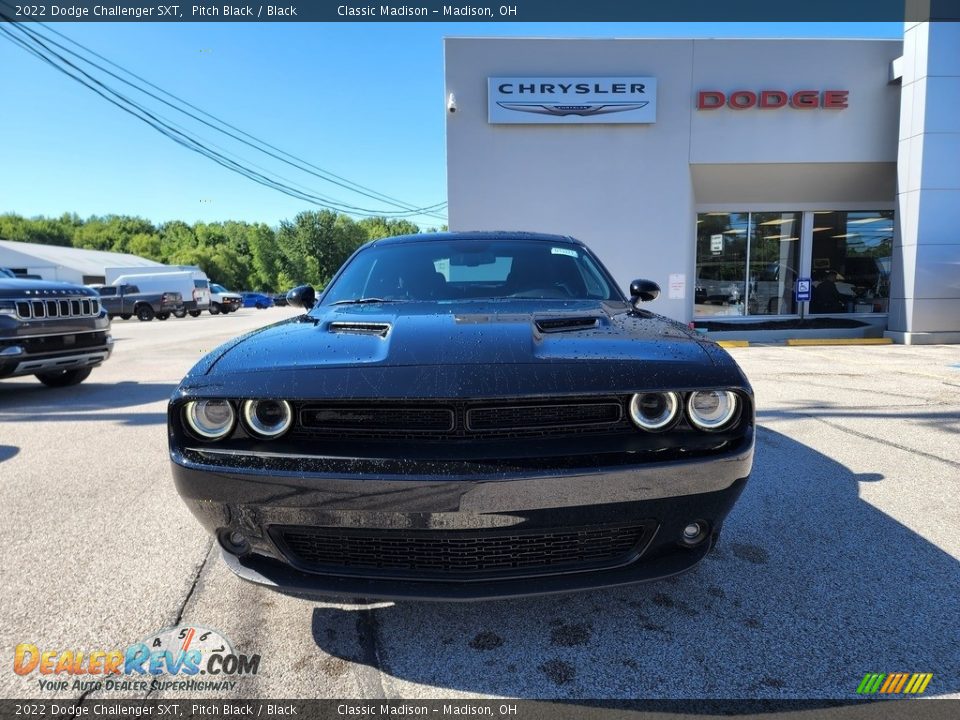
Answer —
(894, 683)
(918, 683)
(903, 680)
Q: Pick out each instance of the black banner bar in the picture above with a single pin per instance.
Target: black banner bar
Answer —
(504, 709)
(496, 11)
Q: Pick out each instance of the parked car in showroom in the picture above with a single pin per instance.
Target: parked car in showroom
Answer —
(56, 331)
(464, 416)
(223, 301)
(257, 300)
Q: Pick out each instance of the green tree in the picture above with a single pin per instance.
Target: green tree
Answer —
(378, 227)
(314, 245)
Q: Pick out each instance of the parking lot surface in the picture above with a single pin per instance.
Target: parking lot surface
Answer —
(842, 556)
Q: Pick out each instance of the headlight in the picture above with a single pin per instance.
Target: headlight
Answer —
(712, 409)
(267, 418)
(654, 411)
(8, 307)
(210, 419)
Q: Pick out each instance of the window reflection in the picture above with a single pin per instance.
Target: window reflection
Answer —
(851, 261)
(721, 263)
(774, 259)
(748, 263)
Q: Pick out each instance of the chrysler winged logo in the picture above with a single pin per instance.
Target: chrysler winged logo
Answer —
(624, 99)
(581, 109)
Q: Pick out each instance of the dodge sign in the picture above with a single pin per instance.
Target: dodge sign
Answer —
(572, 100)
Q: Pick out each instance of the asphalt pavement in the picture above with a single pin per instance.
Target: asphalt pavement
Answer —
(842, 557)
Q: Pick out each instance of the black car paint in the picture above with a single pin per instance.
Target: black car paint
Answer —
(463, 352)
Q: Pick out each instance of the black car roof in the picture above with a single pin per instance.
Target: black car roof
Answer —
(475, 235)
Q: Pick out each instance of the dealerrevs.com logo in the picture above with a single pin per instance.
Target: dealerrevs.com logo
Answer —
(185, 657)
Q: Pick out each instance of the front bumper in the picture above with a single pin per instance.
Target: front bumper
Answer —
(25, 358)
(662, 498)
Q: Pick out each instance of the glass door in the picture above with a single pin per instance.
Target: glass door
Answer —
(773, 263)
(721, 280)
(747, 263)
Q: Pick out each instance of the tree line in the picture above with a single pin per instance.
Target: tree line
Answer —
(239, 255)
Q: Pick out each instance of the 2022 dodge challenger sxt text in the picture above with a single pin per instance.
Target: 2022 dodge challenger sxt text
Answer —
(464, 416)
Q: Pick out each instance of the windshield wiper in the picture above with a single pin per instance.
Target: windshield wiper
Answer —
(363, 301)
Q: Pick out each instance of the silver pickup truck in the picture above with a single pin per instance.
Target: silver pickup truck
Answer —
(125, 301)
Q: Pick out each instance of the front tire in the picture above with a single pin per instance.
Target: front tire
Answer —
(215, 309)
(64, 378)
(194, 313)
(163, 316)
(179, 313)
(126, 316)
(145, 313)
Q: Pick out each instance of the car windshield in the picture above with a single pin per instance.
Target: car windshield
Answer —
(218, 288)
(471, 270)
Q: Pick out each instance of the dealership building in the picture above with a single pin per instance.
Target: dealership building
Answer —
(757, 181)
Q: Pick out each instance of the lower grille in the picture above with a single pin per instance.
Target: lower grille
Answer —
(42, 344)
(422, 554)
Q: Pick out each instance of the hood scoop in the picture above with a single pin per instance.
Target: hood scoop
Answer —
(566, 324)
(379, 329)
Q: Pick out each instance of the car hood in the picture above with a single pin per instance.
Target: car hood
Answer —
(493, 333)
(22, 288)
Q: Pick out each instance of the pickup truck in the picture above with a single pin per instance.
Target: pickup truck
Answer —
(56, 331)
(125, 301)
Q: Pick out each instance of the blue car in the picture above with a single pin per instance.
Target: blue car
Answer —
(257, 300)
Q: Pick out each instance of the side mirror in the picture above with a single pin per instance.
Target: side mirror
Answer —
(643, 291)
(302, 296)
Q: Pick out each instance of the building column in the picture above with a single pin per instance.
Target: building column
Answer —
(925, 282)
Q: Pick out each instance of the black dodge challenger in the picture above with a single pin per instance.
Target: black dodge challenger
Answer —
(464, 416)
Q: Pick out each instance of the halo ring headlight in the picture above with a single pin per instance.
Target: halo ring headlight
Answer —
(210, 419)
(267, 418)
(654, 411)
(712, 409)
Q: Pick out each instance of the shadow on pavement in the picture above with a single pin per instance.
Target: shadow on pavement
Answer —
(20, 402)
(810, 588)
(7, 452)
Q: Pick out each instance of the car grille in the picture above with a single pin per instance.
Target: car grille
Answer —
(543, 416)
(418, 554)
(58, 343)
(462, 420)
(59, 308)
(377, 419)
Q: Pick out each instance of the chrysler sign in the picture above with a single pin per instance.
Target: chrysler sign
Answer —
(571, 100)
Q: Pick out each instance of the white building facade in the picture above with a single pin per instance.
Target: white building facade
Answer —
(757, 181)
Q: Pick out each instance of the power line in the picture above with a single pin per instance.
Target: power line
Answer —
(179, 134)
(320, 172)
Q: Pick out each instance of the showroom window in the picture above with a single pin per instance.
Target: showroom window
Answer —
(747, 263)
(850, 262)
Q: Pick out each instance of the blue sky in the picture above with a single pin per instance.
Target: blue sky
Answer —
(364, 101)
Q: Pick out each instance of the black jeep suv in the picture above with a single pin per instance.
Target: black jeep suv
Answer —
(54, 330)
